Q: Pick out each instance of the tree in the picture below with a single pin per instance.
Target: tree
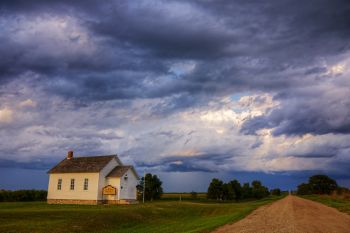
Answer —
(228, 192)
(234, 191)
(276, 192)
(246, 191)
(236, 186)
(318, 184)
(322, 184)
(153, 188)
(215, 189)
(304, 189)
(258, 190)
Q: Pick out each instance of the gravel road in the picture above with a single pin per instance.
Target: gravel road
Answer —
(291, 215)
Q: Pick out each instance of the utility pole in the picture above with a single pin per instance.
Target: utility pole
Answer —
(144, 187)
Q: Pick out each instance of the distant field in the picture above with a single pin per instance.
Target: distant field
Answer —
(336, 202)
(183, 196)
(159, 216)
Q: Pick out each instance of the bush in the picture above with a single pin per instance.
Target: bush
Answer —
(342, 193)
(23, 195)
(194, 195)
(342, 190)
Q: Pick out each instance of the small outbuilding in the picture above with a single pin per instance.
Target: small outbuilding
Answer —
(92, 180)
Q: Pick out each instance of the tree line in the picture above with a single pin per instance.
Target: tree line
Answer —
(233, 190)
(320, 184)
(23, 195)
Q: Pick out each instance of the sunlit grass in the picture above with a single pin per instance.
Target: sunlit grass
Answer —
(159, 216)
(337, 202)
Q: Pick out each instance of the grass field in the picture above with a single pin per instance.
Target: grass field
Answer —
(339, 203)
(160, 216)
(184, 196)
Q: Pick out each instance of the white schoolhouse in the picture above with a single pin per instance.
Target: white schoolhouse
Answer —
(92, 180)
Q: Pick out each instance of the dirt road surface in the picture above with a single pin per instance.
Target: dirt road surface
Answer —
(291, 215)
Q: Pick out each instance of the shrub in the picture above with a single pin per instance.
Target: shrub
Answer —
(194, 195)
(23, 195)
(341, 192)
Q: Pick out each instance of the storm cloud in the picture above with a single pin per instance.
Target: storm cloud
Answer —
(177, 86)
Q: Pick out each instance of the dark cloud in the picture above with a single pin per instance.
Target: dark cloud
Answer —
(237, 46)
(172, 36)
(35, 165)
(173, 167)
(317, 115)
(95, 66)
(204, 162)
(323, 151)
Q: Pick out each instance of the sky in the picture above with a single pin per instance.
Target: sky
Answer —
(187, 90)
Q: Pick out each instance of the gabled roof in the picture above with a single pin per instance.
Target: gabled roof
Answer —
(119, 171)
(83, 164)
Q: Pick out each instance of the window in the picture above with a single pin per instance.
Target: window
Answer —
(126, 177)
(86, 184)
(59, 184)
(72, 184)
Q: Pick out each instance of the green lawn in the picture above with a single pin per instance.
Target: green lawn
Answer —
(341, 204)
(160, 216)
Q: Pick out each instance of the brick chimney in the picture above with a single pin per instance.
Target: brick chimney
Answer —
(70, 154)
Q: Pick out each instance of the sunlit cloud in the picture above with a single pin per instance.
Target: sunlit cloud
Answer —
(28, 103)
(6, 115)
(337, 69)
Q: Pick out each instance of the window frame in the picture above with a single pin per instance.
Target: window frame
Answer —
(72, 184)
(59, 184)
(86, 184)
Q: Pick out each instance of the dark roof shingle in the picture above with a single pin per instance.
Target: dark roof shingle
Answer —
(82, 164)
(119, 171)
